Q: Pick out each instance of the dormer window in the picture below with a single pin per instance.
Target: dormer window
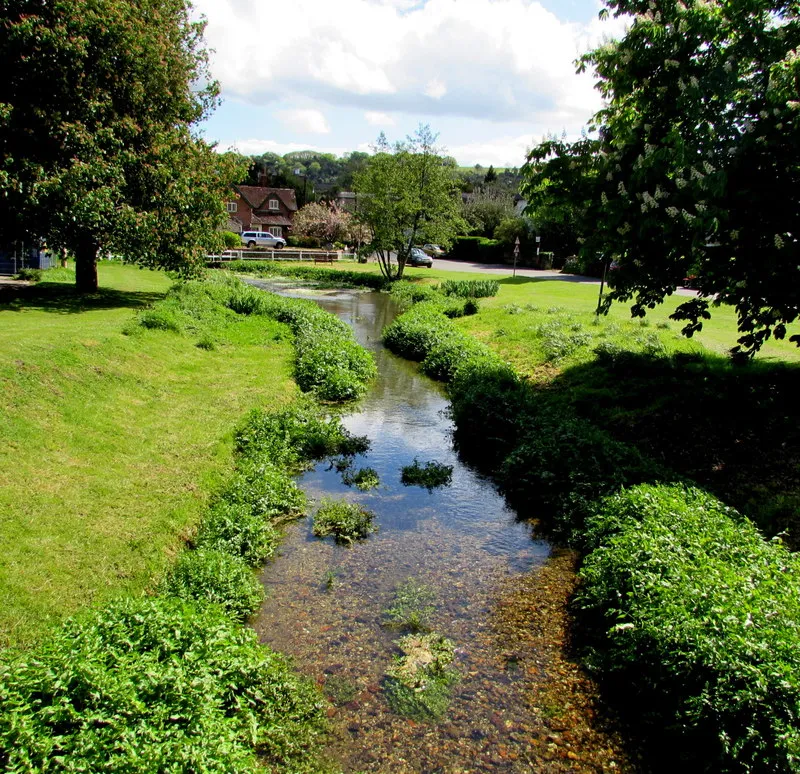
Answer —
(273, 204)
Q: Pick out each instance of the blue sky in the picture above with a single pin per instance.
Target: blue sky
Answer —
(490, 76)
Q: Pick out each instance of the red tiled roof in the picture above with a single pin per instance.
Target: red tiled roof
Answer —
(257, 196)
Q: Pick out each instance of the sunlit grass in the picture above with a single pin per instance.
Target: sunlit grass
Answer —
(111, 443)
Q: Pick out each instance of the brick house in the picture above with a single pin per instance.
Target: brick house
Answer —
(259, 208)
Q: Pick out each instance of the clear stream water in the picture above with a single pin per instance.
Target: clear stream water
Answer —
(461, 541)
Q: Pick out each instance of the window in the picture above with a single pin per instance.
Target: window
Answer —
(274, 205)
(231, 206)
(276, 231)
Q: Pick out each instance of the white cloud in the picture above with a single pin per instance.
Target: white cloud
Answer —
(305, 120)
(435, 89)
(379, 119)
(495, 60)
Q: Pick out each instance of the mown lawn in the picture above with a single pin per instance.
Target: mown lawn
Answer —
(719, 333)
(111, 443)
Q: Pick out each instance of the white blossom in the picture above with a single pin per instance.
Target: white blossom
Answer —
(603, 198)
(709, 167)
(673, 212)
(778, 242)
(621, 189)
(693, 80)
(681, 183)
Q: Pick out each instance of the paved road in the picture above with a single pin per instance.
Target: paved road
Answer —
(502, 269)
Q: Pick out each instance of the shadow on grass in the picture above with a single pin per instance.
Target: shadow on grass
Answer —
(61, 298)
(576, 278)
(735, 430)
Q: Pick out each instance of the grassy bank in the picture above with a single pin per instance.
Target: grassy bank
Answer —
(111, 442)
(172, 681)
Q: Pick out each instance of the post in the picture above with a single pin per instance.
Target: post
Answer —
(602, 285)
(538, 245)
(516, 254)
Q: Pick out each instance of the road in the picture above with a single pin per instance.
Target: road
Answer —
(446, 264)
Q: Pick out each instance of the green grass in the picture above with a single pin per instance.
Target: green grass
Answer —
(111, 443)
(719, 333)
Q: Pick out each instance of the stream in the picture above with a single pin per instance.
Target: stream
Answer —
(325, 602)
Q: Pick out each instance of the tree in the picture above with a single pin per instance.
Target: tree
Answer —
(407, 194)
(328, 223)
(97, 104)
(695, 164)
(485, 209)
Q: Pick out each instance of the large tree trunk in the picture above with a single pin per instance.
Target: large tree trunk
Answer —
(86, 267)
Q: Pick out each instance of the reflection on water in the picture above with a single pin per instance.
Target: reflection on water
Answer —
(326, 602)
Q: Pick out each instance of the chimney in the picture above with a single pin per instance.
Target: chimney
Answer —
(263, 178)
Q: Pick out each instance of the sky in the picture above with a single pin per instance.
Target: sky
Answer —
(491, 77)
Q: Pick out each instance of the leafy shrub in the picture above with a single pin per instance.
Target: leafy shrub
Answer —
(415, 333)
(231, 241)
(267, 490)
(296, 434)
(346, 522)
(476, 248)
(303, 241)
(218, 578)
(29, 275)
(410, 293)
(232, 527)
(154, 685)
(430, 475)
(451, 353)
(562, 463)
(412, 607)
(470, 288)
(700, 615)
(418, 683)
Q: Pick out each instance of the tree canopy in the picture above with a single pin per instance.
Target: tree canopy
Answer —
(407, 194)
(691, 168)
(97, 104)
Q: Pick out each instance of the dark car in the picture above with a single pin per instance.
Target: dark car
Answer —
(418, 258)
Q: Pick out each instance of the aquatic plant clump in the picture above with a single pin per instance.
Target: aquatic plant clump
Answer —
(345, 522)
(363, 479)
(419, 682)
(412, 607)
(430, 474)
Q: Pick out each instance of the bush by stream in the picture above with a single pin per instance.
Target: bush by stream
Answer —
(687, 607)
(692, 607)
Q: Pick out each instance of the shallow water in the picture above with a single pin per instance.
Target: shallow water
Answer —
(325, 602)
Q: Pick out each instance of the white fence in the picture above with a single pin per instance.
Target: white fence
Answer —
(298, 254)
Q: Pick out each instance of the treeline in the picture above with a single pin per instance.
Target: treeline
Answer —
(318, 176)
